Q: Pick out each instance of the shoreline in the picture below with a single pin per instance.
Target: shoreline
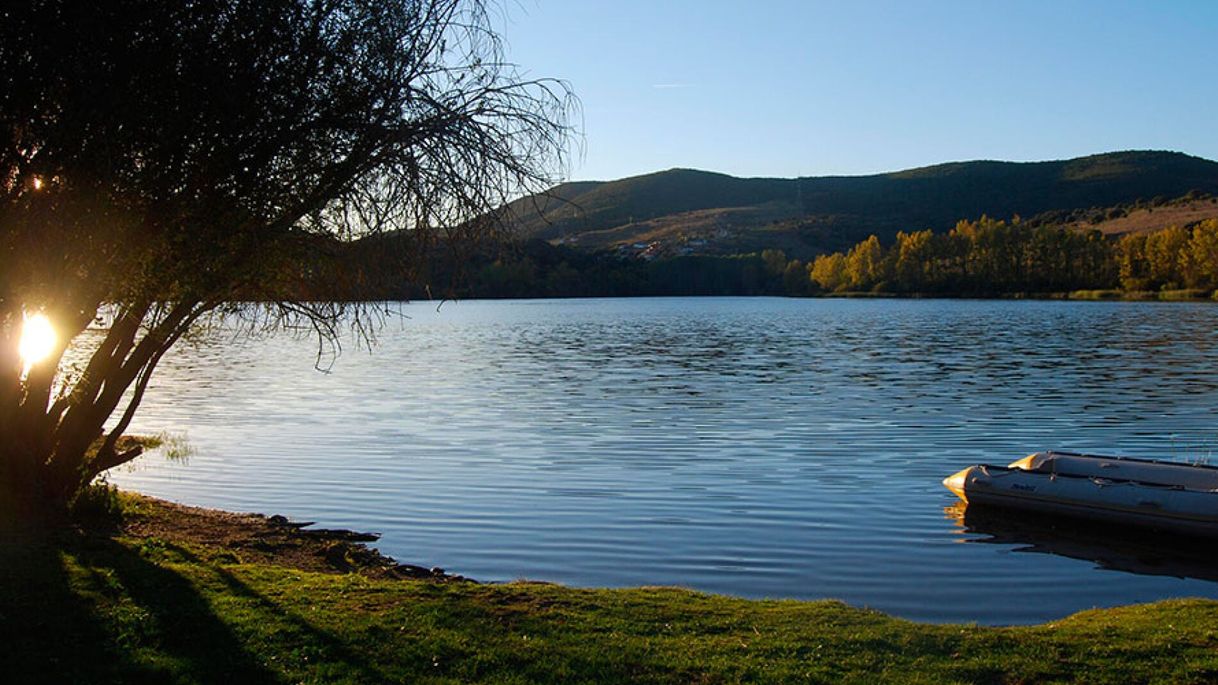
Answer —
(268, 539)
(1166, 296)
(173, 593)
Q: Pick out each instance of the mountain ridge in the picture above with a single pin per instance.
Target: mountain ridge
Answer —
(691, 211)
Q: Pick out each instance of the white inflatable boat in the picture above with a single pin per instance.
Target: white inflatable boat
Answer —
(1163, 495)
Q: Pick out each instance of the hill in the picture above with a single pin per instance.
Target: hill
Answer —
(684, 211)
(1140, 217)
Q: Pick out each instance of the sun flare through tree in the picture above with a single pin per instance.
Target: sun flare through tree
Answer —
(38, 341)
(230, 152)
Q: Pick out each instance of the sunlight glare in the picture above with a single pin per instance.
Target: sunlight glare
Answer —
(37, 339)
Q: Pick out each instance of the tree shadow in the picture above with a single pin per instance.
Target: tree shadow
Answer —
(48, 633)
(83, 607)
(323, 643)
(184, 624)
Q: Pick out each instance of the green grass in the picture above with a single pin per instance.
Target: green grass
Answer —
(1098, 295)
(1142, 295)
(76, 608)
(1185, 295)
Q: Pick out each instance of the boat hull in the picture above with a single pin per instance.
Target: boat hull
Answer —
(1163, 505)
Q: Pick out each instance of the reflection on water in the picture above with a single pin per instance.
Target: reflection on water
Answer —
(1108, 546)
(760, 447)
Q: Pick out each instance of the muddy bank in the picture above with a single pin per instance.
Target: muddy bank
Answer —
(261, 539)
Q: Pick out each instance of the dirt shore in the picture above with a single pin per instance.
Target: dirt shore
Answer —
(262, 539)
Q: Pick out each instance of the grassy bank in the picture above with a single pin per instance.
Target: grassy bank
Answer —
(177, 595)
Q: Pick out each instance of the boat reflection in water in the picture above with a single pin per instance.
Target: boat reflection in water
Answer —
(1107, 546)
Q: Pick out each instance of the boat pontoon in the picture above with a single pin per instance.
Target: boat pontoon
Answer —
(1163, 495)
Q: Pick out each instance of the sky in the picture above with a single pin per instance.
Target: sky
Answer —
(809, 88)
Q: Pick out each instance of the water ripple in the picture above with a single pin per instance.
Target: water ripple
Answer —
(759, 447)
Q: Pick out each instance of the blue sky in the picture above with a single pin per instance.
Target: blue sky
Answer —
(791, 88)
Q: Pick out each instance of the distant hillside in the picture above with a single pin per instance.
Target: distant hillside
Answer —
(1143, 217)
(683, 211)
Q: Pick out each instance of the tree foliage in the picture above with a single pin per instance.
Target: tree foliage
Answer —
(988, 256)
(162, 160)
(983, 257)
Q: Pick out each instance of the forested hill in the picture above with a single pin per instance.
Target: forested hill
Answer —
(682, 211)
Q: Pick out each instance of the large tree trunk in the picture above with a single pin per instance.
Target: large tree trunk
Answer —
(53, 435)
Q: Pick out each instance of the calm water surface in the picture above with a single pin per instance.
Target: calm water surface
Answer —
(757, 447)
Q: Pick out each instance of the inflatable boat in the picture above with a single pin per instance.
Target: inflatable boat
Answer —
(1171, 496)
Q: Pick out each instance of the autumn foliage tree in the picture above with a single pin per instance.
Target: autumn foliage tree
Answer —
(982, 256)
(160, 161)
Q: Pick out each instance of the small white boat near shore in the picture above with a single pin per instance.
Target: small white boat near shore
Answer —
(1162, 495)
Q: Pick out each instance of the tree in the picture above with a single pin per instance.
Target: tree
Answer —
(160, 161)
(913, 257)
(865, 264)
(775, 261)
(795, 279)
(1200, 259)
(1133, 267)
(829, 272)
(1164, 250)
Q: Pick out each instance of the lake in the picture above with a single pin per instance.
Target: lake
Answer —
(761, 447)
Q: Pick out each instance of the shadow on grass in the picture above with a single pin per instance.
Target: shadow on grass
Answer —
(84, 608)
(324, 645)
(48, 633)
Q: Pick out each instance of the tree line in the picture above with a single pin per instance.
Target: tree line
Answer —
(991, 256)
(982, 257)
(538, 269)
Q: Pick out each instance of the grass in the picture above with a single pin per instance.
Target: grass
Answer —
(1099, 295)
(97, 608)
(1184, 295)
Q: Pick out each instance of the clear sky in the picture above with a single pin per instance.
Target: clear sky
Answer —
(808, 88)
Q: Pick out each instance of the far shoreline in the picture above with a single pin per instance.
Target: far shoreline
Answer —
(1168, 296)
